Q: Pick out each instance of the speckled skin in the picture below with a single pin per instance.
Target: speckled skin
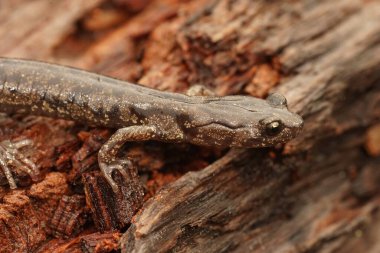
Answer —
(142, 113)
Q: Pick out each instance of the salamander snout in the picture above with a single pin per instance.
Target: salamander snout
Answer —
(275, 124)
(275, 129)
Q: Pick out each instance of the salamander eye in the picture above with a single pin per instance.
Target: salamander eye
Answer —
(273, 128)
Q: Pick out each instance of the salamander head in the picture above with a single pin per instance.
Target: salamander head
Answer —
(243, 121)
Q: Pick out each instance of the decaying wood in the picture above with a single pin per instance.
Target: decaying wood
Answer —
(24, 212)
(34, 28)
(90, 243)
(69, 217)
(111, 210)
(318, 193)
(303, 201)
(106, 242)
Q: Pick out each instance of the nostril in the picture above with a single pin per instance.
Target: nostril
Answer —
(301, 123)
(298, 122)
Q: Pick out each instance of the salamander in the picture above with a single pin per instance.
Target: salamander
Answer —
(141, 113)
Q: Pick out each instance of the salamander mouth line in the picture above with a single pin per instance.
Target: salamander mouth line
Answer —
(220, 124)
(231, 127)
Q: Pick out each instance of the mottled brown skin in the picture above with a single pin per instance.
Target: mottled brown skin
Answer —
(142, 113)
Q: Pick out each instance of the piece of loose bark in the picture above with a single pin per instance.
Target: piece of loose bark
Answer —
(86, 158)
(61, 246)
(113, 210)
(69, 217)
(97, 243)
(25, 214)
(88, 243)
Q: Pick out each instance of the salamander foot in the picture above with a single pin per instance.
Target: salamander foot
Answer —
(126, 170)
(11, 157)
(109, 161)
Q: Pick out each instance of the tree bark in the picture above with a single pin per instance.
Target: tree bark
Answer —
(317, 193)
(306, 199)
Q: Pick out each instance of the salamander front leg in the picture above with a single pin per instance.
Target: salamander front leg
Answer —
(108, 160)
(10, 156)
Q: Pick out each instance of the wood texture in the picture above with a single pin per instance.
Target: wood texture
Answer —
(318, 193)
(302, 202)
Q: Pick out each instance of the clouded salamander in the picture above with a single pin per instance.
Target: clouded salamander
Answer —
(141, 113)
